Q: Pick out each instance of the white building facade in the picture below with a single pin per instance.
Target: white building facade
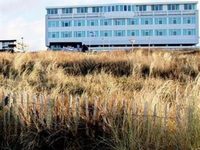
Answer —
(8, 45)
(121, 25)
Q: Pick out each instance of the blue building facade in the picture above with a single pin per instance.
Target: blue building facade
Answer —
(118, 25)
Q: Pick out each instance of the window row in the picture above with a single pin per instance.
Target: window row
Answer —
(117, 22)
(122, 33)
(116, 8)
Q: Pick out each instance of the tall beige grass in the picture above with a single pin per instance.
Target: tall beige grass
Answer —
(151, 99)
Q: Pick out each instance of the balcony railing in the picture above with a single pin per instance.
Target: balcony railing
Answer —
(122, 14)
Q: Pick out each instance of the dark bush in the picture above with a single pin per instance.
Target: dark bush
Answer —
(89, 66)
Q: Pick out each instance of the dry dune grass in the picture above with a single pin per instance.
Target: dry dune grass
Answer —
(97, 74)
(141, 89)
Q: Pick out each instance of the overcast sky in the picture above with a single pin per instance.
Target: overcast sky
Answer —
(26, 18)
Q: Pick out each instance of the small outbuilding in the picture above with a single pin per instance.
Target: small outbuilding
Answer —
(8, 45)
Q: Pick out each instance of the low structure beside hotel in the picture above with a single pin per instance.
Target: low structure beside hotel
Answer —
(8, 45)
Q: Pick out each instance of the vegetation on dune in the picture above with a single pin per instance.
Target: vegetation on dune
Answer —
(50, 70)
(135, 100)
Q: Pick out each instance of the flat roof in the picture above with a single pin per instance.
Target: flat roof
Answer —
(110, 4)
(8, 40)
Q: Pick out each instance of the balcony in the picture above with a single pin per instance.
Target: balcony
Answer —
(70, 16)
(122, 14)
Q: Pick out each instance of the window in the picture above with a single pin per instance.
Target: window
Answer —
(82, 10)
(161, 32)
(147, 32)
(67, 10)
(125, 8)
(119, 33)
(97, 9)
(134, 21)
(134, 8)
(53, 35)
(129, 8)
(113, 8)
(109, 8)
(66, 23)
(106, 22)
(174, 32)
(79, 34)
(105, 9)
(119, 22)
(133, 32)
(156, 7)
(146, 21)
(106, 33)
(189, 20)
(121, 8)
(189, 31)
(53, 24)
(117, 8)
(78, 23)
(160, 20)
(189, 6)
(141, 7)
(175, 20)
(66, 34)
(173, 6)
(57, 46)
(92, 33)
(52, 11)
(92, 23)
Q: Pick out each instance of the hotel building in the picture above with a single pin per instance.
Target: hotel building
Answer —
(123, 25)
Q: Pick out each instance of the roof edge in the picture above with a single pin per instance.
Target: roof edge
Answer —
(108, 4)
(8, 40)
